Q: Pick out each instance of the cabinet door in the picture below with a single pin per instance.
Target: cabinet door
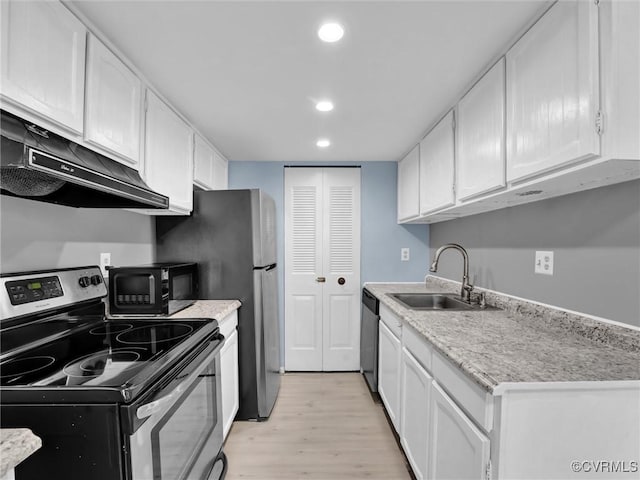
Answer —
(415, 424)
(389, 352)
(436, 167)
(552, 91)
(43, 57)
(229, 381)
(220, 172)
(480, 136)
(409, 185)
(203, 164)
(457, 448)
(113, 103)
(168, 154)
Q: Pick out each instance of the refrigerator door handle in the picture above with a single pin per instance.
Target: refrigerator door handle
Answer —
(266, 268)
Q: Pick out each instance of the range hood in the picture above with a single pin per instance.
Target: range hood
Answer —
(40, 165)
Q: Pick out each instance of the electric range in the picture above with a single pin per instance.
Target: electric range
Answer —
(111, 399)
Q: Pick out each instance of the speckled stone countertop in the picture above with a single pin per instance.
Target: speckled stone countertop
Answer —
(16, 444)
(217, 309)
(522, 342)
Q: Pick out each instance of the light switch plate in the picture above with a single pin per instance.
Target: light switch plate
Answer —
(544, 262)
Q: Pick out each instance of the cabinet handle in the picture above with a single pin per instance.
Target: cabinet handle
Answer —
(341, 281)
(321, 279)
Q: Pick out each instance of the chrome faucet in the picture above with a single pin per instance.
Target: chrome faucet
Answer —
(465, 292)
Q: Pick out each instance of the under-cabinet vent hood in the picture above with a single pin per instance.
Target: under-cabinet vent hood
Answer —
(40, 165)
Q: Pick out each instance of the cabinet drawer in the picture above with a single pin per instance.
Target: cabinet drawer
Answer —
(391, 320)
(473, 399)
(417, 346)
(228, 324)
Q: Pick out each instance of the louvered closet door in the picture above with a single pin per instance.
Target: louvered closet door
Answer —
(322, 269)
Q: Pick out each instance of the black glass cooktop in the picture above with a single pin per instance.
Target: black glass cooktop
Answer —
(121, 356)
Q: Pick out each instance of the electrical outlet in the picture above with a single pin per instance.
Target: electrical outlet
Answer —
(404, 254)
(544, 263)
(105, 261)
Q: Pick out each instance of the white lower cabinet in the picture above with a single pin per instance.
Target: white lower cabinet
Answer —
(415, 422)
(457, 448)
(451, 428)
(229, 371)
(389, 351)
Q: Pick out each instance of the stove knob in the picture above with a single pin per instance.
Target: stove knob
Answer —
(96, 279)
(84, 282)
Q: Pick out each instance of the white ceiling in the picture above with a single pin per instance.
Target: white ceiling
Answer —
(247, 74)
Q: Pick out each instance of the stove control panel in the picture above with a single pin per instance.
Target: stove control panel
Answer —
(33, 289)
(27, 293)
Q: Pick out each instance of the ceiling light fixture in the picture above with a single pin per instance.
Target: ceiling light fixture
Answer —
(330, 32)
(323, 143)
(324, 106)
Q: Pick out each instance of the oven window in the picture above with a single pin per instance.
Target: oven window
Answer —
(178, 440)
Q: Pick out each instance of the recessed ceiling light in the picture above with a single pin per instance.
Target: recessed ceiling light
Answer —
(324, 106)
(323, 143)
(331, 32)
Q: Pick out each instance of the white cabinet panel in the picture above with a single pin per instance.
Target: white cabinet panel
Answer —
(480, 136)
(43, 60)
(203, 163)
(409, 185)
(229, 380)
(458, 449)
(415, 422)
(210, 168)
(620, 76)
(220, 172)
(437, 166)
(552, 91)
(113, 103)
(168, 154)
(389, 358)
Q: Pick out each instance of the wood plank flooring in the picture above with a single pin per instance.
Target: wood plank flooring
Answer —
(323, 426)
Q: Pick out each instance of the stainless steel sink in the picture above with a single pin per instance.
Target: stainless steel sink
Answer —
(434, 301)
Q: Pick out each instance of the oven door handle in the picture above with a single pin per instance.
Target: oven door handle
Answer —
(150, 408)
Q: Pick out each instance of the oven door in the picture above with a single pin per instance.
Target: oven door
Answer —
(180, 435)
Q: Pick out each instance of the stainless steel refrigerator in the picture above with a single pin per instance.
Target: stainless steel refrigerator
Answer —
(231, 234)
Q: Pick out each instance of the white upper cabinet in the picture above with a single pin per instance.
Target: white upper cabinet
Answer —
(480, 136)
(203, 163)
(552, 91)
(220, 172)
(409, 185)
(43, 60)
(168, 155)
(210, 168)
(620, 76)
(113, 103)
(437, 166)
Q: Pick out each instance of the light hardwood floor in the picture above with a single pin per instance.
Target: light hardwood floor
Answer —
(323, 426)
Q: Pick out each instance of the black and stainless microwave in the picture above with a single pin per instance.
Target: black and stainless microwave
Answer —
(157, 289)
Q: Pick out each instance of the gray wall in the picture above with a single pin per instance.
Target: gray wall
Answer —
(595, 236)
(35, 235)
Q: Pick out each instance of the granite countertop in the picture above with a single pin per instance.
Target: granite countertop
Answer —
(217, 309)
(521, 342)
(16, 444)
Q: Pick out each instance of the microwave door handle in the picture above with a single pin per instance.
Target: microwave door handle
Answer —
(150, 408)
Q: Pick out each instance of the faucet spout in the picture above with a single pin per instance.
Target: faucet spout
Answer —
(465, 292)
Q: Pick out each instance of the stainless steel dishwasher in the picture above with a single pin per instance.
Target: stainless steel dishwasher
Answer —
(369, 339)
